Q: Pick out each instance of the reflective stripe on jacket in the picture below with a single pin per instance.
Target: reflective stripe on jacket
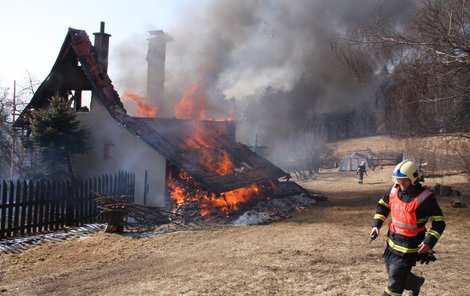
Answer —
(403, 214)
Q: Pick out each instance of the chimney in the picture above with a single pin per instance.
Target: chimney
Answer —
(102, 47)
(156, 69)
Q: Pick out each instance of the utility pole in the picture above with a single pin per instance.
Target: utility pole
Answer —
(14, 100)
(256, 147)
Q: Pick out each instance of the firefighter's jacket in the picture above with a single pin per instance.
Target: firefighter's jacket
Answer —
(361, 169)
(403, 239)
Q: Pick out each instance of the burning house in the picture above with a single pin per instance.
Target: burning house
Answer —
(175, 161)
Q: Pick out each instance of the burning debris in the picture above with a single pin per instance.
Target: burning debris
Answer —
(189, 197)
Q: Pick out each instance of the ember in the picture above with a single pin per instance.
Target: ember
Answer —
(144, 107)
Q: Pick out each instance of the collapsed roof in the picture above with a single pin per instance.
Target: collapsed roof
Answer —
(77, 68)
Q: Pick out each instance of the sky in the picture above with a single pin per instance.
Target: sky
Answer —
(34, 30)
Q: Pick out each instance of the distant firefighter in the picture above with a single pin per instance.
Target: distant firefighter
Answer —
(361, 170)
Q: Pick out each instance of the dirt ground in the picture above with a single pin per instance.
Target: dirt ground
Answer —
(323, 250)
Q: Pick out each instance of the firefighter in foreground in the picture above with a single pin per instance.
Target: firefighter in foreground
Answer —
(410, 206)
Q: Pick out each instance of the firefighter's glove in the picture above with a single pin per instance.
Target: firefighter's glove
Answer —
(425, 258)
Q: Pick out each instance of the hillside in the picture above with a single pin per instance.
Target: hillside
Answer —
(438, 155)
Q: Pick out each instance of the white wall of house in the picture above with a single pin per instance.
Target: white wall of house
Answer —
(114, 148)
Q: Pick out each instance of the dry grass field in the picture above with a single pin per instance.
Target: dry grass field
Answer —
(322, 250)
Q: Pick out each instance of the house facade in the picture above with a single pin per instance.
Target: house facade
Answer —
(146, 146)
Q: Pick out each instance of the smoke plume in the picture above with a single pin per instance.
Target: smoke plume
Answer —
(272, 60)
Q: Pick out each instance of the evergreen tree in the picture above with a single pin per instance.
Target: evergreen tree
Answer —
(56, 135)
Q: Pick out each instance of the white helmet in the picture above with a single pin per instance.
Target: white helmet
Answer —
(406, 170)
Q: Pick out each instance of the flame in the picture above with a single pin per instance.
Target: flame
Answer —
(214, 159)
(144, 107)
(183, 189)
(193, 103)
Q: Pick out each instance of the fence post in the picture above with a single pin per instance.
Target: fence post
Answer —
(30, 206)
(3, 209)
(69, 203)
(61, 203)
(35, 204)
(17, 205)
(11, 204)
(24, 203)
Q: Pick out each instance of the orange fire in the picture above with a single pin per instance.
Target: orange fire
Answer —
(193, 106)
(229, 202)
(193, 103)
(215, 160)
(203, 139)
(144, 107)
(183, 189)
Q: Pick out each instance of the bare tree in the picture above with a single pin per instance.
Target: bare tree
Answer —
(9, 147)
(12, 100)
(427, 56)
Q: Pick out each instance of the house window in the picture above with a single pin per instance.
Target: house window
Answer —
(107, 151)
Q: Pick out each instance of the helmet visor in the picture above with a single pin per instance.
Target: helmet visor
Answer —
(399, 175)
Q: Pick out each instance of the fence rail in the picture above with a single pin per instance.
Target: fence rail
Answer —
(28, 207)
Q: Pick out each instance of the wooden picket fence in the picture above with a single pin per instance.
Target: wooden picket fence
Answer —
(28, 207)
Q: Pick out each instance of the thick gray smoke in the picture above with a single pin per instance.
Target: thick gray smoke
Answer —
(271, 59)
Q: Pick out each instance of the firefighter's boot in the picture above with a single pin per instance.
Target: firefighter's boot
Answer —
(414, 283)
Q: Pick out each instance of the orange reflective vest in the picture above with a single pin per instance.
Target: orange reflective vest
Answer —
(403, 214)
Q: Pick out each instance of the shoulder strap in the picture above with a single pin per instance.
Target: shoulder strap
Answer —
(423, 196)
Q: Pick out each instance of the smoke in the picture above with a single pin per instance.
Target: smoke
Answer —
(272, 58)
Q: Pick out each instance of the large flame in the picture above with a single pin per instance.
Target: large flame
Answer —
(184, 190)
(203, 139)
(192, 104)
(144, 108)
(216, 160)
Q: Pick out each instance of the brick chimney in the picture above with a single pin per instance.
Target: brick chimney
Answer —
(102, 47)
(156, 70)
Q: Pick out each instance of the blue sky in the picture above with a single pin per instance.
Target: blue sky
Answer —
(32, 31)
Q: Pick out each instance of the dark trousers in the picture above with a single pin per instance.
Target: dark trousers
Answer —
(361, 178)
(401, 278)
